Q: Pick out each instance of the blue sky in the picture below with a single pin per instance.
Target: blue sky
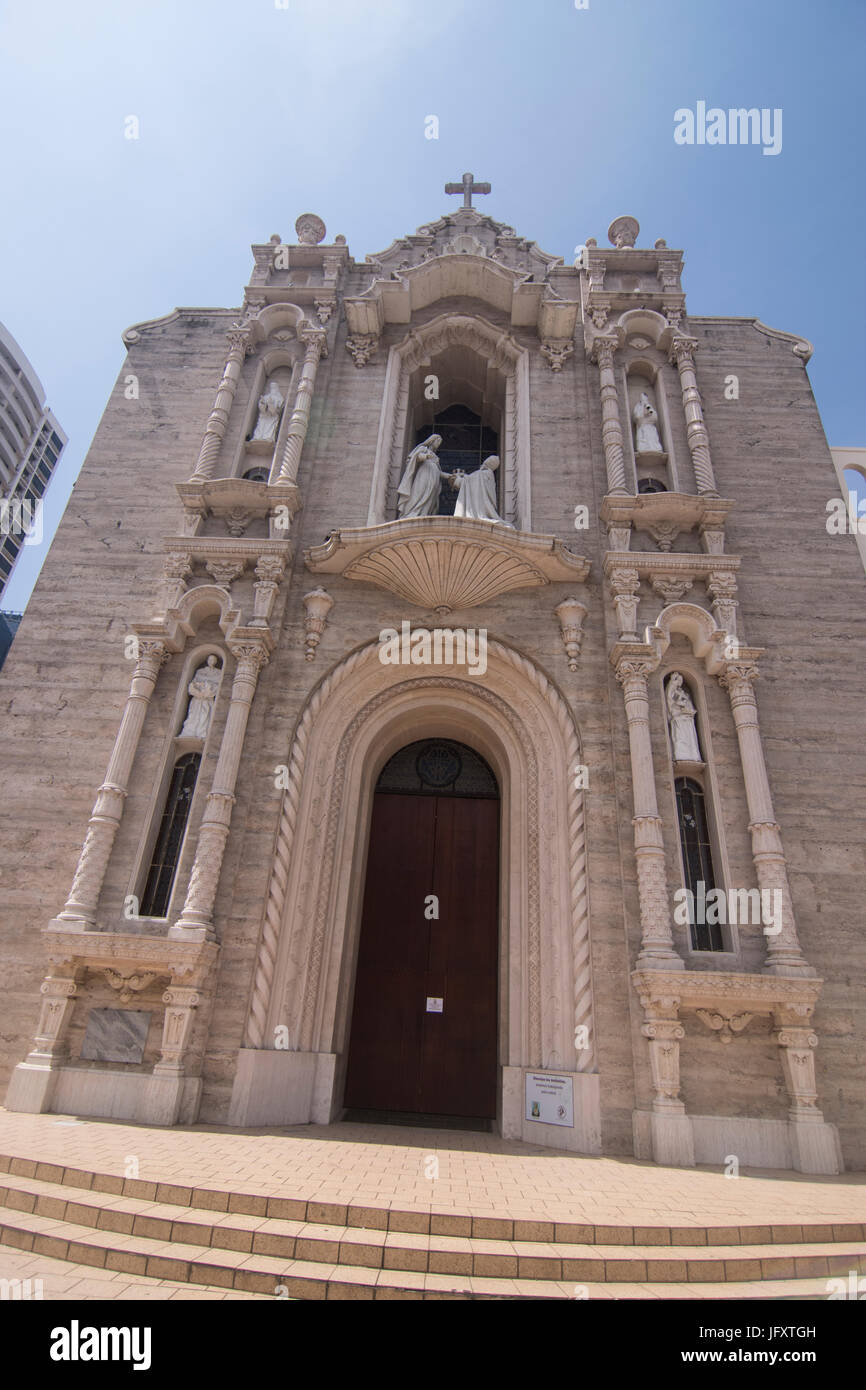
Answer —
(253, 111)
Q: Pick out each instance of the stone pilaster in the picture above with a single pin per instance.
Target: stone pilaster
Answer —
(316, 341)
(83, 897)
(683, 353)
(671, 1129)
(784, 954)
(657, 946)
(239, 339)
(269, 572)
(197, 914)
(603, 349)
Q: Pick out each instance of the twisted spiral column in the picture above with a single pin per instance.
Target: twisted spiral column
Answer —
(105, 818)
(198, 907)
(683, 353)
(218, 419)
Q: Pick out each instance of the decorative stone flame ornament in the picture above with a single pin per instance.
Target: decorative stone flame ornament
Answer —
(362, 347)
(622, 232)
(726, 1025)
(318, 604)
(128, 983)
(557, 352)
(571, 614)
(310, 229)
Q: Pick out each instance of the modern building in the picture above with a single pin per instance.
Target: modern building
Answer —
(472, 698)
(9, 623)
(31, 442)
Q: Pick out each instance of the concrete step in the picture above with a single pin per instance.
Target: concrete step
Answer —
(308, 1279)
(163, 1236)
(499, 1226)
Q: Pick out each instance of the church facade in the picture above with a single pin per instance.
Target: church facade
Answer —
(471, 695)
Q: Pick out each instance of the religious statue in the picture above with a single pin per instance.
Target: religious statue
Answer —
(682, 714)
(270, 406)
(645, 416)
(476, 496)
(202, 691)
(421, 483)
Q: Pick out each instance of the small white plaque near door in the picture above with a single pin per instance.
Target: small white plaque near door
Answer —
(550, 1099)
(435, 1006)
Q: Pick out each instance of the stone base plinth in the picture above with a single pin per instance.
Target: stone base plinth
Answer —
(282, 1088)
(31, 1087)
(584, 1137)
(103, 1094)
(806, 1147)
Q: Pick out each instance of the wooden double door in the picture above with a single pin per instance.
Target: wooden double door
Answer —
(424, 1021)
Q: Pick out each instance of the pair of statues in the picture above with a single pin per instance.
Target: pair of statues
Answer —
(421, 484)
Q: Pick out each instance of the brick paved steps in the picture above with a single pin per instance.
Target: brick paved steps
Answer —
(417, 1221)
(313, 1259)
(307, 1279)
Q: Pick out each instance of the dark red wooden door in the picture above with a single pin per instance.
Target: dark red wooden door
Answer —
(401, 1056)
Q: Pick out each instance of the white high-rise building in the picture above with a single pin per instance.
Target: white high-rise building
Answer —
(31, 442)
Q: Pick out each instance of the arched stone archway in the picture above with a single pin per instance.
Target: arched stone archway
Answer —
(361, 714)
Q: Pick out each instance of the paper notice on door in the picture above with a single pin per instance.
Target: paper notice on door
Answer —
(550, 1099)
(435, 1006)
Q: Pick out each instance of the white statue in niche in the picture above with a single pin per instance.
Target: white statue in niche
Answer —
(270, 408)
(421, 483)
(682, 714)
(645, 416)
(202, 691)
(476, 496)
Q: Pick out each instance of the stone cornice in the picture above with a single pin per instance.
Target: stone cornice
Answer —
(700, 989)
(529, 303)
(69, 948)
(650, 562)
(244, 549)
(446, 563)
(222, 496)
(685, 508)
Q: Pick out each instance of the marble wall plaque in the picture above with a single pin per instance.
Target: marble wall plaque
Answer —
(115, 1035)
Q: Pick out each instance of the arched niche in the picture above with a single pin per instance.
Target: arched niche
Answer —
(475, 364)
(358, 717)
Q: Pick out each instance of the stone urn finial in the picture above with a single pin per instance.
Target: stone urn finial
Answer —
(310, 229)
(571, 613)
(622, 232)
(318, 605)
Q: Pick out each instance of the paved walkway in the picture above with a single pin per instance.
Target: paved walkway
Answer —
(61, 1281)
(434, 1170)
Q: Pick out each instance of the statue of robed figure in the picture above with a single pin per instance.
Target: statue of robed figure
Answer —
(476, 497)
(421, 483)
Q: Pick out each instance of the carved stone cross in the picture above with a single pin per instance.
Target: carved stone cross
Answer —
(467, 187)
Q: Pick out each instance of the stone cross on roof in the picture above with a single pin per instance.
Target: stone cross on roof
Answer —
(467, 187)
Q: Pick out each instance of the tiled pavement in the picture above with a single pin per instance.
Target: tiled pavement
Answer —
(435, 1170)
(222, 1214)
(64, 1281)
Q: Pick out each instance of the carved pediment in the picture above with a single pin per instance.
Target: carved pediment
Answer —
(447, 563)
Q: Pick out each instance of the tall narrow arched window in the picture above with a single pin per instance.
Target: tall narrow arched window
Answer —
(166, 851)
(697, 863)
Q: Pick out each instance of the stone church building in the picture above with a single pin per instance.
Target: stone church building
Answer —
(472, 698)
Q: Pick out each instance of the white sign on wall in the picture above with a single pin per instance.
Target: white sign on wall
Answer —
(550, 1099)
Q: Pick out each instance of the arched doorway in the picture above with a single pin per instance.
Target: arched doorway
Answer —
(423, 1038)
